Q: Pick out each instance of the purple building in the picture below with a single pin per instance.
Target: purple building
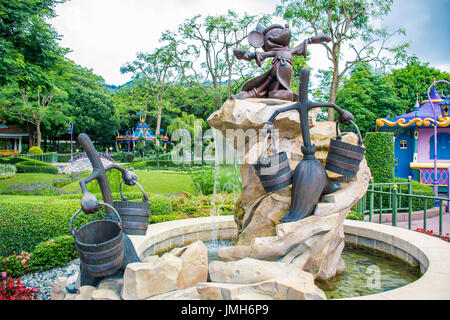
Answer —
(414, 141)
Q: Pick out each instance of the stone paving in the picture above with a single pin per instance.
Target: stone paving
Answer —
(432, 224)
(417, 220)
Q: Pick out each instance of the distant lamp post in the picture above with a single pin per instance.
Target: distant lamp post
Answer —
(70, 131)
(128, 134)
(435, 180)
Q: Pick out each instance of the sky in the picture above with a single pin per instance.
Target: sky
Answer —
(105, 34)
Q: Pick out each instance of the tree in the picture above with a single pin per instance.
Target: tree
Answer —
(347, 22)
(161, 68)
(368, 95)
(28, 44)
(88, 103)
(29, 60)
(217, 36)
(415, 78)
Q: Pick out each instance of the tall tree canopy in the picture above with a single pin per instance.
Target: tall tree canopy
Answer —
(368, 95)
(415, 78)
(348, 23)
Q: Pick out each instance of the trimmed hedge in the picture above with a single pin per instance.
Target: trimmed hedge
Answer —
(66, 157)
(36, 167)
(123, 157)
(12, 160)
(24, 225)
(380, 155)
(56, 252)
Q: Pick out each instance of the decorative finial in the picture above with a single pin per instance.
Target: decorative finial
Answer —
(417, 106)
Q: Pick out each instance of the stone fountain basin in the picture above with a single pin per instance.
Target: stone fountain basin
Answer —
(430, 253)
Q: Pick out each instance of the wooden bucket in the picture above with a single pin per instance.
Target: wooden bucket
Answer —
(100, 245)
(273, 171)
(134, 214)
(344, 158)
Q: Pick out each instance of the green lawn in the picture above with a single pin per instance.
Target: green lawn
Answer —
(28, 178)
(151, 181)
(163, 182)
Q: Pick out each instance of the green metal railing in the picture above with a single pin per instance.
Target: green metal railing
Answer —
(51, 157)
(395, 192)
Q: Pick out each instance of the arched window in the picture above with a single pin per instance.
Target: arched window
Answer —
(443, 146)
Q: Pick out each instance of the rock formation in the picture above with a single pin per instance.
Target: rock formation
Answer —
(314, 243)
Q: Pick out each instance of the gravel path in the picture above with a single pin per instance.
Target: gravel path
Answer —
(44, 280)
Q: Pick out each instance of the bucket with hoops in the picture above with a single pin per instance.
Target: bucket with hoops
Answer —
(273, 171)
(344, 158)
(100, 245)
(134, 214)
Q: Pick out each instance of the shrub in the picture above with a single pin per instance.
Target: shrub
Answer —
(16, 265)
(353, 215)
(35, 166)
(380, 155)
(56, 252)
(123, 157)
(160, 205)
(12, 160)
(64, 157)
(35, 150)
(24, 225)
(11, 289)
(7, 171)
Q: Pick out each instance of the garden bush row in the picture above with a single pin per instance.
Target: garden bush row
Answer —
(25, 165)
(24, 225)
(123, 157)
(55, 252)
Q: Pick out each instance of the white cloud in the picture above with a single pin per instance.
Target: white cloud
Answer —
(105, 34)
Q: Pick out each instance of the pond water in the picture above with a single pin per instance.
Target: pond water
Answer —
(367, 271)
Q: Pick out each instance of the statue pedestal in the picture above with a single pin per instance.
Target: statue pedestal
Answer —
(314, 243)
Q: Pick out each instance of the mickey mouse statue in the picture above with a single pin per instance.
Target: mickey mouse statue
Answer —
(276, 82)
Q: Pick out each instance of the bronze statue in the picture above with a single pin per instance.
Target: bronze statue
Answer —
(310, 179)
(90, 204)
(276, 82)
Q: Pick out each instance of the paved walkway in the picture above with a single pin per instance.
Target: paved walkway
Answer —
(432, 224)
(417, 220)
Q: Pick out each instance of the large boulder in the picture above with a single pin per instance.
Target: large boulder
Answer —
(195, 264)
(143, 280)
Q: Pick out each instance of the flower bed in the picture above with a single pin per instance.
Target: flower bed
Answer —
(13, 289)
(432, 233)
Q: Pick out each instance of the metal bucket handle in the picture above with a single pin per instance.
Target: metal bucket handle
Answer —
(144, 195)
(338, 133)
(73, 231)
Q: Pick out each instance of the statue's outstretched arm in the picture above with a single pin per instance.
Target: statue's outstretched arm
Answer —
(128, 177)
(344, 115)
(281, 110)
(301, 49)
